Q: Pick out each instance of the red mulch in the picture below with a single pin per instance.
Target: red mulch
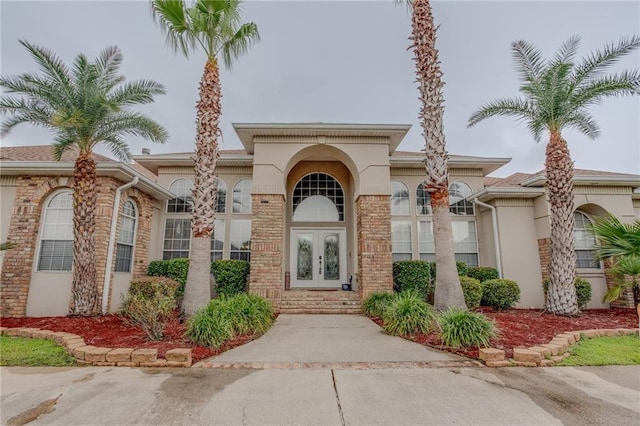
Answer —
(530, 327)
(112, 331)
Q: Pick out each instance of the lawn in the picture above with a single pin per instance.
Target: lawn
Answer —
(19, 351)
(618, 350)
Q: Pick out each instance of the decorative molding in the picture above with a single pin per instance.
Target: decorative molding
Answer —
(602, 190)
(513, 202)
(236, 170)
(420, 171)
(468, 172)
(8, 180)
(185, 171)
(636, 204)
(324, 140)
(258, 188)
(221, 170)
(375, 190)
(404, 171)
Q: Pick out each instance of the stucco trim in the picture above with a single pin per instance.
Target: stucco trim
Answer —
(513, 202)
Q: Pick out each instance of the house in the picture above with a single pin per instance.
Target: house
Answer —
(311, 206)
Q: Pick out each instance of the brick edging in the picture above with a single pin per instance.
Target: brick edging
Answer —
(105, 357)
(547, 354)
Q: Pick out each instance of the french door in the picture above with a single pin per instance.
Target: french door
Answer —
(318, 258)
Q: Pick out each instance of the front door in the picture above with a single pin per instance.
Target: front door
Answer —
(318, 258)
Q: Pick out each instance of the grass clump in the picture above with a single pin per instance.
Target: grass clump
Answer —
(375, 305)
(19, 351)
(614, 350)
(225, 318)
(408, 314)
(460, 328)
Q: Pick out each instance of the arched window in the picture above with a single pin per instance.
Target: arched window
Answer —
(458, 199)
(423, 200)
(242, 196)
(584, 242)
(399, 199)
(56, 243)
(321, 193)
(183, 203)
(126, 237)
(222, 196)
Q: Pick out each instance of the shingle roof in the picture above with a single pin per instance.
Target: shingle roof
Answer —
(41, 153)
(516, 179)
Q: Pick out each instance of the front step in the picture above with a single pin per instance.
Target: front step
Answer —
(320, 302)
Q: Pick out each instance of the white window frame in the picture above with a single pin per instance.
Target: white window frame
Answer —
(402, 209)
(397, 253)
(43, 229)
(596, 263)
(243, 184)
(120, 242)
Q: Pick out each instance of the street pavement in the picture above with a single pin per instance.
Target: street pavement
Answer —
(322, 370)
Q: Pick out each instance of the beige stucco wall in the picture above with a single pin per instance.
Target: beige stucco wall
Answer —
(120, 286)
(49, 294)
(519, 247)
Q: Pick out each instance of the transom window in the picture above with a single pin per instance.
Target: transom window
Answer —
(399, 199)
(458, 199)
(56, 245)
(423, 200)
(319, 185)
(242, 196)
(183, 203)
(126, 238)
(584, 242)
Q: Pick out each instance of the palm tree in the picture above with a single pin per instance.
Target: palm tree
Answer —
(83, 105)
(213, 26)
(556, 96)
(620, 242)
(448, 292)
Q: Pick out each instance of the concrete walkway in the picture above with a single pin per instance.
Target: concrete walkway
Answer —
(329, 339)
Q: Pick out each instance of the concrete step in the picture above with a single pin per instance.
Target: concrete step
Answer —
(320, 302)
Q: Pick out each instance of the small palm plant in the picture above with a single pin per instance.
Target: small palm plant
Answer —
(213, 26)
(556, 96)
(84, 105)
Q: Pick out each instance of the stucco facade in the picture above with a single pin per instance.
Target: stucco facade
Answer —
(312, 206)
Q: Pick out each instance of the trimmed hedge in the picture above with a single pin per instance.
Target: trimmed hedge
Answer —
(472, 290)
(500, 294)
(176, 269)
(412, 275)
(583, 291)
(231, 276)
(482, 273)
(460, 266)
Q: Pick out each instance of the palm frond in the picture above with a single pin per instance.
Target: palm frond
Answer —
(108, 63)
(592, 93)
(583, 122)
(50, 64)
(37, 117)
(137, 92)
(599, 61)
(239, 44)
(173, 19)
(61, 143)
(615, 238)
(508, 107)
(567, 51)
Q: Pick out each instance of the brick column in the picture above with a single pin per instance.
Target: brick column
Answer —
(544, 249)
(267, 247)
(375, 264)
(626, 299)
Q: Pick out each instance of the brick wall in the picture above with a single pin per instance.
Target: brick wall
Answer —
(31, 193)
(544, 248)
(374, 244)
(624, 301)
(267, 247)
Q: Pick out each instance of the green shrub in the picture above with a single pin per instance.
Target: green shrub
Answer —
(375, 305)
(176, 269)
(460, 328)
(460, 266)
(472, 290)
(482, 273)
(150, 286)
(583, 290)
(226, 317)
(412, 275)
(231, 276)
(500, 294)
(149, 312)
(408, 314)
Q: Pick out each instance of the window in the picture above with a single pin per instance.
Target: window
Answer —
(183, 203)
(465, 242)
(240, 237)
(56, 245)
(320, 186)
(401, 240)
(217, 240)
(242, 196)
(399, 199)
(423, 200)
(222, 196)
(584, 242)
(458, 199)
(124, 251)
(177, 236)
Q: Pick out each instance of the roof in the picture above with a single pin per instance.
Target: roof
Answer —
(581, 177)
(42, 153)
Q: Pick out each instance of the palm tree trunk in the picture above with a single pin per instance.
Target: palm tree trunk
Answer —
(197, 290)
(448, 291)
(86, 301)
(561, 297)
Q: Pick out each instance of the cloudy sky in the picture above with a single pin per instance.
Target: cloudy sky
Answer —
(347, 62)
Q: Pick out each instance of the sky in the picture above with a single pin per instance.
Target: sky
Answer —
(346, 62)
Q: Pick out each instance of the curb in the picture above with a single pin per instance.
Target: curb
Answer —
(105, 357)
(546, 354)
